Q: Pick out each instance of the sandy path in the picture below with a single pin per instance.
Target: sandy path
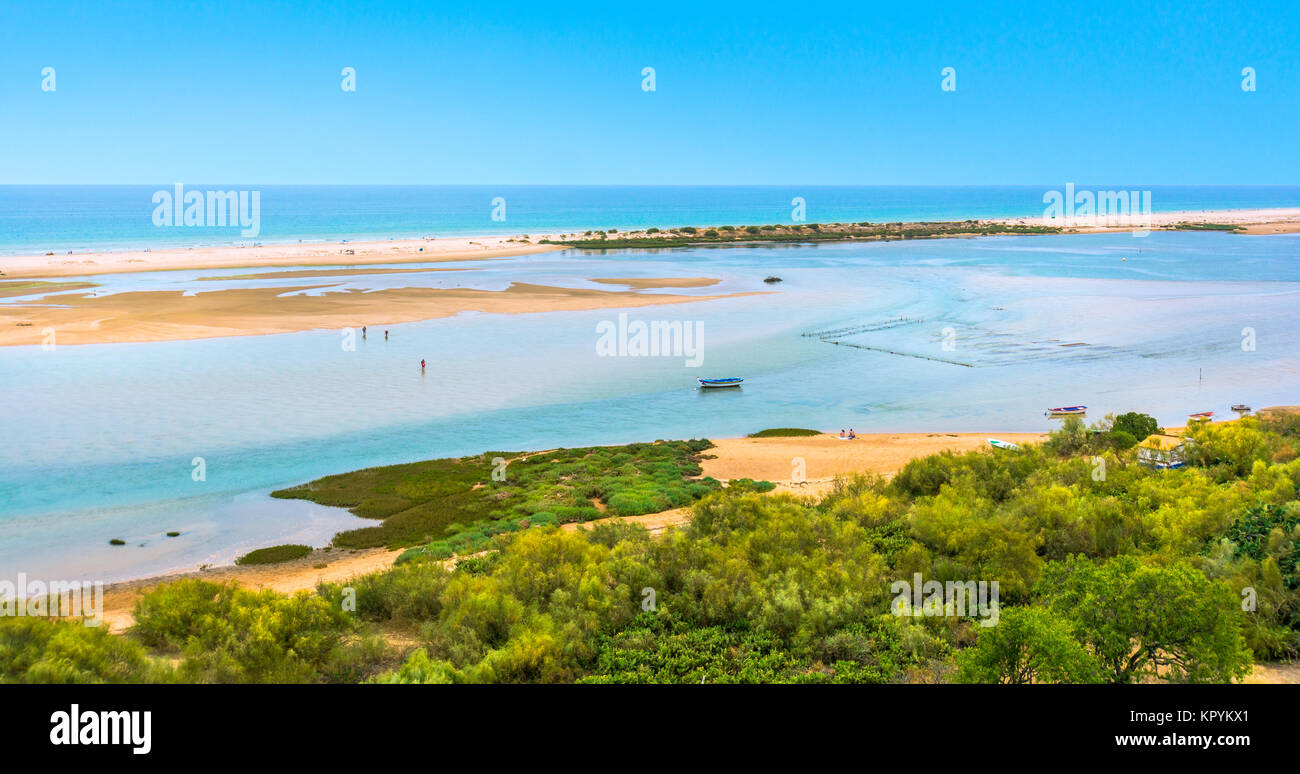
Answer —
(285, 577)
(655, 523)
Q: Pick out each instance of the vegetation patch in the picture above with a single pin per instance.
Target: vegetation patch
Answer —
(457, 505)
(1207, 227)
(784, 432)
(817, 232)
(274, 554)
(1108, 571)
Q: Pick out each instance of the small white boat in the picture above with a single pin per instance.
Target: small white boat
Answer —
(1200, 416)
(996, 444)
(730, 381)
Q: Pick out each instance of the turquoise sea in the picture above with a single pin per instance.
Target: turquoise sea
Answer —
(100, 441)
(38, 219)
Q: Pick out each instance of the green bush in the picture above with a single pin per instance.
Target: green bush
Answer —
(409, 591)
(225, 634)
(784, 432)
(274, 554)
(40, 650)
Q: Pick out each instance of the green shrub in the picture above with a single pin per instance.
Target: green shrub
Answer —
(749, 485)
(409, 591)
(784, 432)
(274, 554)
(40, 650)
(225, 634)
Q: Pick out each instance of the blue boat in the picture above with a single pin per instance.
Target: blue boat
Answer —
(731, 381)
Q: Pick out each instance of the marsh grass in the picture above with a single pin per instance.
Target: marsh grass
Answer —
(784, 432)
(454, 506)
(274, 554)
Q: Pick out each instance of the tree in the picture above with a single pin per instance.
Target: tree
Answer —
(1137, 425)
(1028, 645)
(1172, 622)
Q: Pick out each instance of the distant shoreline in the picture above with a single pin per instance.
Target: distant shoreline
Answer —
(438, 249)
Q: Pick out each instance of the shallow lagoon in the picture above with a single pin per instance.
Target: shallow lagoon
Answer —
(99, 440)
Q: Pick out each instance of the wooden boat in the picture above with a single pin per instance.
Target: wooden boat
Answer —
(1199, 416)
(996, 444)
(1240, 407)
(1065, 411)
(731, 381)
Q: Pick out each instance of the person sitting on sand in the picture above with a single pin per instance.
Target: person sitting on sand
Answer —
(841, 432)
(852, 435)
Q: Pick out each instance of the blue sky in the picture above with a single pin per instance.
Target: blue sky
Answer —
(493, 92)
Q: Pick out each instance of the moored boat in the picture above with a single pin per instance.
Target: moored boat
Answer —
(1065, 411)
(730, 381)
(1200, 416)
(1242, 407)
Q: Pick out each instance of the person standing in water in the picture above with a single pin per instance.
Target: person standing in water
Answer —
(385, 335)
(421, 364)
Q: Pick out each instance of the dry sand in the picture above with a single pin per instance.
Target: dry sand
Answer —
(173, 315)
(655, 523)
(827, 456)
(1280, 220)
(301, 254)
(305, 273)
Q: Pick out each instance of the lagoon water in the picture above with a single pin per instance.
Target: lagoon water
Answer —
(100, 441)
